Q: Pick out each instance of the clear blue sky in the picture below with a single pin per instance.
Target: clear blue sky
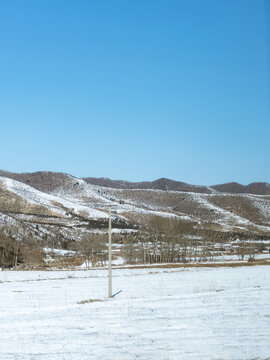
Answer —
(136, 90)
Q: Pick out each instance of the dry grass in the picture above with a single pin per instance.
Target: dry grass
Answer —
(200, 265)
(72, 265)
(89, 301)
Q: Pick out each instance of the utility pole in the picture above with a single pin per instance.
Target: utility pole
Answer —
(110, 254)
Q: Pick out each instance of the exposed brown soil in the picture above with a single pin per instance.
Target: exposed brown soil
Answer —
(62, 267)
(200, 265)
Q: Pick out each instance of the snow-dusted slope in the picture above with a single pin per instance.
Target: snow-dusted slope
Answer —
(75, 201)
(48, 201)
(99, 197)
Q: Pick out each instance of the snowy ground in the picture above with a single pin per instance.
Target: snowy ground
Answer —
(203, 313)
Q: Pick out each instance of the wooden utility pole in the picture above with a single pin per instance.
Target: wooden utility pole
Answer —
(110, 254)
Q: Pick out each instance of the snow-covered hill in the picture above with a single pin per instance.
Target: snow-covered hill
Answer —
(69, 205)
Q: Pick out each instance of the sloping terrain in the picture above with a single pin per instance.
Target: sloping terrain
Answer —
(43, 215)
(63, 206)
(42, 180)
(257, 188)
(159, 184)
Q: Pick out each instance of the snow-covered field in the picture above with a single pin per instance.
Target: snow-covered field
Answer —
(201, 313)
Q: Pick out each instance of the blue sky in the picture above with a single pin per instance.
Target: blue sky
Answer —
(136, 90)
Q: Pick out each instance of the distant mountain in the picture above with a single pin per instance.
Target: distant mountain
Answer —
(231, 188)
(257, 188)
(46, 181)
(106, 182)
(159, 184)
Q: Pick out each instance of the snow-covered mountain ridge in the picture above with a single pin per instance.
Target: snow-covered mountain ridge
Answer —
(65, 206)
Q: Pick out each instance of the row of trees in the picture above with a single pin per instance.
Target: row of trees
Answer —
(160, 240)
(164, 240)
(173, 240)
(14, 252)
(94, 247)
(9, 249)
